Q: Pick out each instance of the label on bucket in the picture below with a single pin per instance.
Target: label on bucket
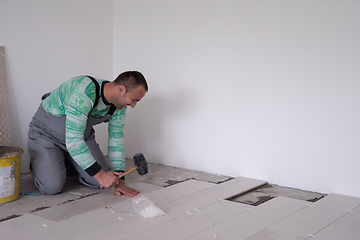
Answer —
(7, 181)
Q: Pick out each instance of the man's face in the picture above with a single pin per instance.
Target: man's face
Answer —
(129, 98)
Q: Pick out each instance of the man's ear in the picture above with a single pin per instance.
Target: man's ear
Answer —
(121, 89)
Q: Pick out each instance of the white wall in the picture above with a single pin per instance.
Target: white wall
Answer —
(262, 89)
(47, 43)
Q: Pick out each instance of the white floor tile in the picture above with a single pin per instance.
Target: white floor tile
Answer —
(74, 208)
(181, 197)
(24, 224)
(195, 221)
(194, 210)
(248, 223)
(307, 222)
(347, 227)
(132, 223)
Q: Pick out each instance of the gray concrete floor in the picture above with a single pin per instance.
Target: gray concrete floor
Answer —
(269, 191)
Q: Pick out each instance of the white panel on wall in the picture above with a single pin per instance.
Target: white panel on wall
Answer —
(5, 122)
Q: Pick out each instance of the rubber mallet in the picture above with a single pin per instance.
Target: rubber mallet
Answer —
(140, 165)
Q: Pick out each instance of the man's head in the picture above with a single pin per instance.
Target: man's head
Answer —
(127, 89)
(131, 79)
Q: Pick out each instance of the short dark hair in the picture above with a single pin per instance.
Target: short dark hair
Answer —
(131, 80)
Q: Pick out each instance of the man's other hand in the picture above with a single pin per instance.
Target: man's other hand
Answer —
(121, 188)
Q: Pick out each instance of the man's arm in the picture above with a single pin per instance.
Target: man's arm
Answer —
(116, 151)
(77, 112)
(76, 118)
(116, 140)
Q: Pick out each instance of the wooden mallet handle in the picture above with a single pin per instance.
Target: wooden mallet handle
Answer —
(124, 173)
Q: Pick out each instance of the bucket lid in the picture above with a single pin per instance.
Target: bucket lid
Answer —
(7, 152)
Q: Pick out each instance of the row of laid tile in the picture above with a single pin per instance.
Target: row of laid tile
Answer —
(310, 220)
(279, 219)
(347, 227)
(196, 210)
(175, 201)
(119, 221)
(248, 223)
(44, 224)
(103, 198)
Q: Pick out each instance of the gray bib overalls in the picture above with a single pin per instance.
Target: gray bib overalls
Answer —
(48, 152)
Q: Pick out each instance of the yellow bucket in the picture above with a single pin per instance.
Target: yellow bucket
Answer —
(10, 160)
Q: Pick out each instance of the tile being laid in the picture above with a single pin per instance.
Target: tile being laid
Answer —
(180, 190)
(248, 223)
(162, 175)
(308, 221)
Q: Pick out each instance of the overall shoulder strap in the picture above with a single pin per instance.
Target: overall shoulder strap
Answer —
(97, 89)
(112, 109)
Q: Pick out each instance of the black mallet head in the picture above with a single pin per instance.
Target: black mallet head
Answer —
(141, 163)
